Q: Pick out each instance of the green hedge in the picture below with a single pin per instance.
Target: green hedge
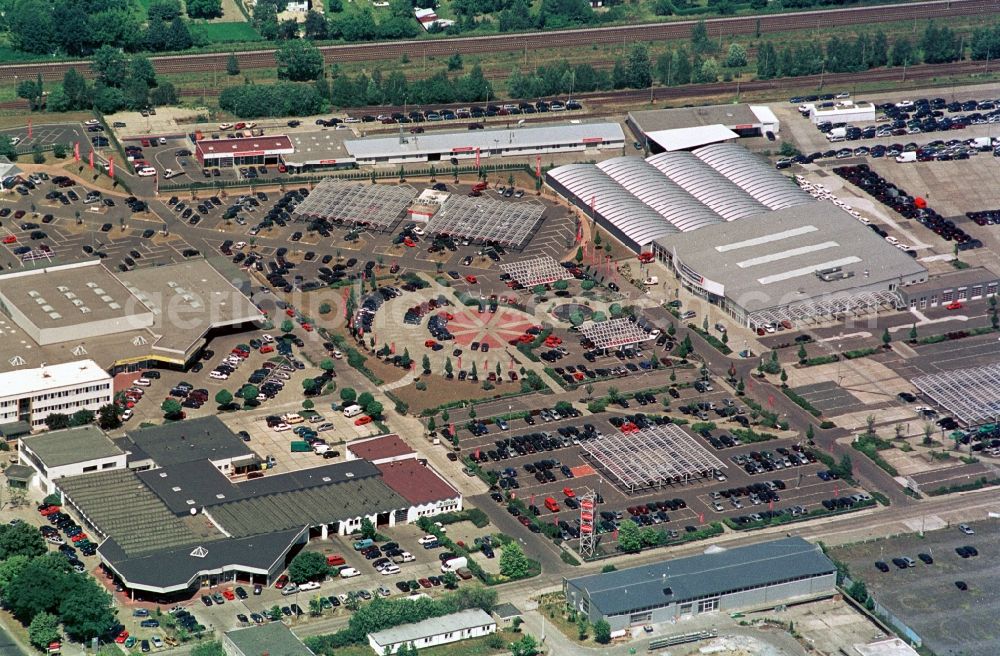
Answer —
(964, 487)
(716, 343)
(750, 435)
(822, 359)
(802, 403)
(860, 353)
(870, 447)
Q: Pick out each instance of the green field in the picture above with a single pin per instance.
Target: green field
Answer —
(224, 32)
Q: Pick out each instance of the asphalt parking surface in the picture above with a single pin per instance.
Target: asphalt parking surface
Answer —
(950, 621)
(47, 134)
(828, 397)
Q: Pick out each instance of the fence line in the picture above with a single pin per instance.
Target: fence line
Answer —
(887, 616)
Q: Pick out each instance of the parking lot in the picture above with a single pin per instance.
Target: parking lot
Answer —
(925, 597)
(703, 500)
(47, 134)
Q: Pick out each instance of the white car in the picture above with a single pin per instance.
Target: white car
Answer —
(289, 589)
(142, 382)
(390, 569)
(281, 427)
(418, 230)
(965, 528)
(349, 572)
(146, 172)
(225, 126)
(407, 557)
(309, 585)
(218, 375)
(240, 245)
(157, 643)
(427, 538)
(127, 415)
(92, 121)
(163, 141)
(267, 338)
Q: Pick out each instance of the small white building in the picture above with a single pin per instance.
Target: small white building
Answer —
(31, 395)
(298, 6)
(71, 452)
(843, 112)
(472, 623)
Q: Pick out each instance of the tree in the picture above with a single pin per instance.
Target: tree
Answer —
(579, 255)
(57, 421)
(10, 568)
(526, 646)
(208, 649)
(374, 409)
(450, 580)
(367, 529)
(86, 610)
(638, 72)
(31, 91)
(886, 338)
(204, 8)
(308, 566)
(802, 354)
(455, 62)
(224, 398)
(902, 53)
(448, 368)
(274, 613)
(249, 394)
(43, 630)
(326, 364)
(629, 537)
(20, 539)
(513, 563)
(287, 325)
(309, 385)
(325, 308)
(163, 10)
(110, 65)
(171, 408)
(602, 632)
(736, 57)
(315, 26)
(913, 333)
(232, 65)
(82, 418)
(348, 395)
(784, 377)
(708, 72)
(700, 42)
(810, 433)
(582, 625)
(108, 417)
(365, 399)
(425, 363)
(298, 61)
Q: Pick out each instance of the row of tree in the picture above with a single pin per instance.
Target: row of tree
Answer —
(42, 591)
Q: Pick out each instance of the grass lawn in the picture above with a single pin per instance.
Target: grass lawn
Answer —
(233, 32)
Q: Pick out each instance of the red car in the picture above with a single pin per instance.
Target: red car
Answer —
(426, 583)
(50, 510)
(362, 420)
(290, 312)
(955, 305)
(409, 242)
(281, 582)
(568, 491)
(78, 537)
(430, 343)
(122, 637)
(229, 594)
(471, 280)
(10, 239)
(307, 327)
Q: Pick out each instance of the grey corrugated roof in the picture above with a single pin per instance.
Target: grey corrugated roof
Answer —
(273, 639)
(485, 140)
(754, 175)
(707, 574)
(177, 566)
(190, 485)
(405, 633)
(205, 438)
(706, 184)
(64, 447)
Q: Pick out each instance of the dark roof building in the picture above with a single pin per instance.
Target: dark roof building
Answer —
(758, 575)
(273, 639)
(416, 482)
(178, 442)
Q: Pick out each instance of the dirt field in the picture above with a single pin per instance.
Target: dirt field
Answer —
(441, 391)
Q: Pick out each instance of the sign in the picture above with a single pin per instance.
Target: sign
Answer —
(593, 140)
(463, 149)
(248, 153)
(327, 161)
(745, 126)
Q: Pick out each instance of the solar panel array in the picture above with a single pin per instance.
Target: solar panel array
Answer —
(481, 219)
(536, 271)
(651, 458)
(615, 333)
(378, 207)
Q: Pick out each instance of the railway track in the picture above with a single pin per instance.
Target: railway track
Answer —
(540, 40)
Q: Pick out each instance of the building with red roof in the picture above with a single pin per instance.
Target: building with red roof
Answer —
(426, 491)
(384, 448)
(244, 150)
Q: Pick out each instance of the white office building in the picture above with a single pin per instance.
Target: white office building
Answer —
(65, 453)
(31, 395)
(472, 623)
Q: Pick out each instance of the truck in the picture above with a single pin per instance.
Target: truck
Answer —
(363, 544)
(320, 449)
(837, 134)
(299, 446)
(352, 410)
(453, 564)
(982, 143)
(903, 158)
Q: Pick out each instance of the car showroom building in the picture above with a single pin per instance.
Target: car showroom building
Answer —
(761, 575)
(243, 151)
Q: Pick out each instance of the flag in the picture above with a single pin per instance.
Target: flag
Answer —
(111, 167)
(701, 518)
(836, 490)
(532, 499)
(476, 455)
(770, 401)
(451, 427)
(770, 504)
(392, 348)
(579, 231)
(477, 157)
(538, 166)
(91, 159)
(460, 362)
(76, 152)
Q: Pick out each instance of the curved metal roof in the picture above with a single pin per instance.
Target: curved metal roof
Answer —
(753, 175)
(614, 204)
(700, 180)
(652, 187)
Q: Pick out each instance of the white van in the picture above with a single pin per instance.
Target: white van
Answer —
(146, 172)
(353, 410)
